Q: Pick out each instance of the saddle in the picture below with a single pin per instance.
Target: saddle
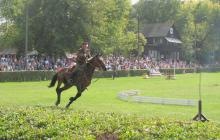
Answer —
(67, 69)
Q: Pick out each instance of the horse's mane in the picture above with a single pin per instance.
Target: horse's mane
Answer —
(89, 59)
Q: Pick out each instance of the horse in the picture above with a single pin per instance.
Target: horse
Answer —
(66, 69)
(63, 71)
(81, 78)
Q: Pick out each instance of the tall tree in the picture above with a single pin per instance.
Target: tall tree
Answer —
(197, 23)
(111, 34)
(54, 25)
(154, 11)
(11, 11)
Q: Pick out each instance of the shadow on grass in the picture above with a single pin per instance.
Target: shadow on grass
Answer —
(53, 107)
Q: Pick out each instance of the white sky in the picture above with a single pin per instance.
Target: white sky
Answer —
(134, 1)
(2, 20)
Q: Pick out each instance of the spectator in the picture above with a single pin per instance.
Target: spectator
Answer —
(8, 63)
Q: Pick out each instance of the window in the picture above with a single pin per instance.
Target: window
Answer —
(171, 31)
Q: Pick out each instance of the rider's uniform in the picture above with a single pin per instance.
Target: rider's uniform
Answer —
(81, 57)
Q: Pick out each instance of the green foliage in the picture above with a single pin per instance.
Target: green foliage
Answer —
(199, 26)
(11, 33)
(58, 25)
(54, 123)
(61, 25)
(111, 35)
(10, 36)
(55, 25)
(157, 10)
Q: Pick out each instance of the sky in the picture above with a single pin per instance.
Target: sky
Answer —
(134, 1)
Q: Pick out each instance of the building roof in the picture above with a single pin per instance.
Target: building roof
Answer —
(8, 51)
(157, 29)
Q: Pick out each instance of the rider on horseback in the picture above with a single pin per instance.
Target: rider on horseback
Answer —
(82, 56)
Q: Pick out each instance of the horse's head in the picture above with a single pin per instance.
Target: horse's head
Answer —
(97, 62)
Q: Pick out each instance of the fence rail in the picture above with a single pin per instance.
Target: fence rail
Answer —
(132, 95)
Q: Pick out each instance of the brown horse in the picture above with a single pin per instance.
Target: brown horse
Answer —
(81, 78)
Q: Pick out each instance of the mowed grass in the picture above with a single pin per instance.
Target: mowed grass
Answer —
(101, 96)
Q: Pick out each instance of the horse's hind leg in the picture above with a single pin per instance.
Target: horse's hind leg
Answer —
(58, 93)
(74, 98)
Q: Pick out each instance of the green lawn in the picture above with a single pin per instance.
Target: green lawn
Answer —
(101, 96)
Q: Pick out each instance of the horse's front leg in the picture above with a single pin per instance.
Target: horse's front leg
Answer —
(79, 93)
(58, 93)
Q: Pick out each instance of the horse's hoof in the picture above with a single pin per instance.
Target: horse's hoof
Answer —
(71, 98)
(67, 106)
(57, 103)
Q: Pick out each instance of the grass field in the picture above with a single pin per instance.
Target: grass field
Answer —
(101, 96)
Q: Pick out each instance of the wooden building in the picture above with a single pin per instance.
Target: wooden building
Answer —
(163, 41)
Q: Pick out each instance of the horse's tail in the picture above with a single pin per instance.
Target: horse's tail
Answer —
(53, 81)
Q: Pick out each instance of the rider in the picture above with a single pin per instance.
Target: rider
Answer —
(82, 56)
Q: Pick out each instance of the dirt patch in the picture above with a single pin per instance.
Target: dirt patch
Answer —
(216, 85)
(107, 136)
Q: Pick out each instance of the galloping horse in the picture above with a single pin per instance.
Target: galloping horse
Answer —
(81, 78)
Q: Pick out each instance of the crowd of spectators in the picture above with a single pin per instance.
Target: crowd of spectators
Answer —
(13, 63)
(122, 63)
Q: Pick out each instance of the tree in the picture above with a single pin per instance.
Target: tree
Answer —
(55, 26)
(197, 25)
(112, 19)
(10, 11)
(154, 11)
